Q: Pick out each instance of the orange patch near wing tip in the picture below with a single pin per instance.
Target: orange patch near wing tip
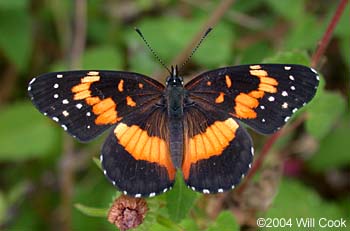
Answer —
(255, 67)
(228, 81)
(244, 104)
(220, 98)
(141, 146)
(82, 95)
(121, 86)
(212, 142)
(130, 102)
(106, 112)
(90, 79)
(259, 73)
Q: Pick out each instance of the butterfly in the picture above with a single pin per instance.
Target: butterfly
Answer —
(156, 129)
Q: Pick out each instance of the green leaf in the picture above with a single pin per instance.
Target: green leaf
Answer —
(13, 4)
(25, 133)
(309, 26)
(179, 200)
(167, 224)
(97, 162)
(291, 57)
(290, 9)
(294, 201)
(16, 37)
(224, 222)
(336, 144)
(323, 111)
(90, 211)
(102, 57)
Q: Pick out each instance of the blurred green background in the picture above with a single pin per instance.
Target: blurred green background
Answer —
(48, 181)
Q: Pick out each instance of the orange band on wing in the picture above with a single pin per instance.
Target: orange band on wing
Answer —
(105, 110)
(213, 141)
(244, 105)
(141, 146)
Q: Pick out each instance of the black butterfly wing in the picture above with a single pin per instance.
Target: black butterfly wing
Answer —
(86, 103)
(264, 96)
(136, 156)
(218, 150)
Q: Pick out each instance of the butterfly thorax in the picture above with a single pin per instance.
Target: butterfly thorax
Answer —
(175, 97)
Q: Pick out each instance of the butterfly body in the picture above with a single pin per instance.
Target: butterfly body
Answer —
(157, 129)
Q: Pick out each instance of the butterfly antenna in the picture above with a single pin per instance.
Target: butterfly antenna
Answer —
(197, 46)
(151, 49)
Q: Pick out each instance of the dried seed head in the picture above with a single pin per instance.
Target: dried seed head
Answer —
(127, 212)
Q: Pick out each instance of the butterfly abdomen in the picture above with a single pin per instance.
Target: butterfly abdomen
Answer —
(175, 99)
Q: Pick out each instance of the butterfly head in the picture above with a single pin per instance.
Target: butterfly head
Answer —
(174, 79)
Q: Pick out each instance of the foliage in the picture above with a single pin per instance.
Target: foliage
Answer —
(36, 37)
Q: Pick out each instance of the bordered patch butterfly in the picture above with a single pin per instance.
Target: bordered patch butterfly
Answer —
(158, 129)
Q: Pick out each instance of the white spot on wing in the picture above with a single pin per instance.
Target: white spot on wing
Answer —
(138, 195)
(59, 76)
(284, 93)
(294, 110)
(206, 191)
(32, 81)
(271, 98)
(287, 68)
(286, 119)
(220, 190)
(263, 120)
(262, 107)
(55, 85)
(64, 127)
(79, 105)
(292, 88)
(313, 70)
(55, 96)
(152, 194)
(285, 105)
(65, 113)
(291, 77)
(65, 101)
(88, 113)
(55, 119)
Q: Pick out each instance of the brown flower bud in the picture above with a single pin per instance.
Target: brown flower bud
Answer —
(127, 212)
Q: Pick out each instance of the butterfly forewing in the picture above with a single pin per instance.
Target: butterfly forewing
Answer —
(264, 96)
(86, 103)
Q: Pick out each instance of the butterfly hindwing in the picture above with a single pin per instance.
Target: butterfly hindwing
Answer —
(136, 157)
(264, 96)
(86, 103)
(218, 150)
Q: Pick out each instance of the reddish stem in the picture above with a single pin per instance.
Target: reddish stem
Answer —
(328, 34)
